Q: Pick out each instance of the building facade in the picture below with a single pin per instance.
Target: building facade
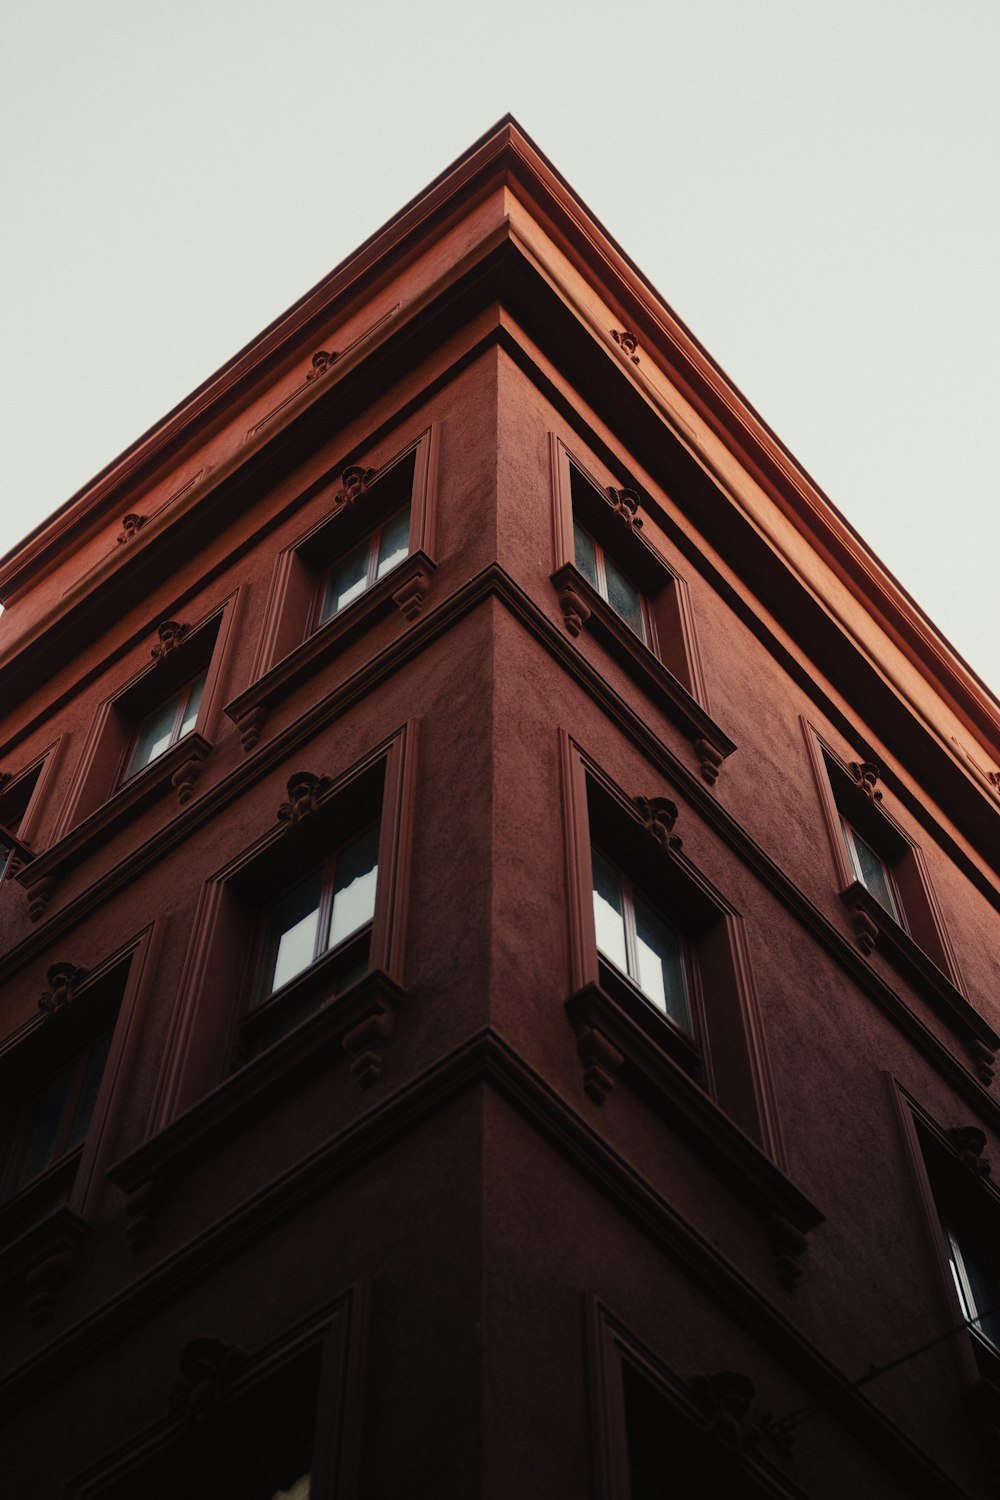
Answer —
(499, 932)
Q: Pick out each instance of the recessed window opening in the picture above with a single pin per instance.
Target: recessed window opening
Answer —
(871, 870)
(608, 579)
(169, 722)
(633, 937)
(365, 564)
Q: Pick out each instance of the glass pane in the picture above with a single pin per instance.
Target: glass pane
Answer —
(871, 870)
(155, 735)
(609, 917)
(40, 1119)
(347, 581)
(624, 598)
(290, 941)
(661, 967)
(194, 693)
(394, 543)
(93, 1072)
(300, 1490)
(585, 553)
(976, 1259)
(354, 889)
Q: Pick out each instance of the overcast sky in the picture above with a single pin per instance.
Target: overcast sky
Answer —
(812, 187)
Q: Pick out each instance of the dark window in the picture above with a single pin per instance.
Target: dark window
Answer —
(968, 1212)
(871, 870)
(14, 800)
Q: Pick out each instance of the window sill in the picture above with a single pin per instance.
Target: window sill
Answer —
(610, 1041)
(582, 606)
(180, 766)
(404, 588)
(40, 1258)
(875, 927)
(359, 1021)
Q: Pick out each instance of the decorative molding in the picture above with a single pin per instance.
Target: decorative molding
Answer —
(321, 363)
(658, 816)
(865, 928)
(724, 1400)
(305, 792)
(183, 780)
(983, 1060)
(576, 612)
(365, 1043)
(170, 633)
(601, 1061)
(64, 980)
(44, 1280)
(709, 760)
(866, 774)
(131, 524)
(206, 1366)
(627, 342)
(625, 504)
(411, 596)
(141, 1207)
(788, 1245)
(250, 726)
(969, 1144)
(355, 481)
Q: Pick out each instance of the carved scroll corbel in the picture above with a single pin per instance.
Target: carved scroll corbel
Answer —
(411, 596)
(658, 816)
(866, 774)
(141, 1207)
(576, 612)
(983, 1060)
(601, 1061)
(250, 726)
(44, 1281)
(788, 1246)
(627, 342)
(355, 481)
(709, 760)
(131, 524)
(304, 793)
(170, 633)
(625, 504)
(865, 930)
(39, 896)
(725, 1399)
(969, 1144)
(64, 980)
(184, 778)
(207, 1365)
(365, 1045)
(322, 361)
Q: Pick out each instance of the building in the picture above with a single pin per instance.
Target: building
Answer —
(499, 979)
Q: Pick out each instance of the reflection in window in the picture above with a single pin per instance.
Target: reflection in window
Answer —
(870, 869)
(323, 911)
(609, 581)
(637, 941)
(366, 564)
(167, 724)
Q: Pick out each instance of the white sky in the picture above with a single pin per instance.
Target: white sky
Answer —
(812, 187)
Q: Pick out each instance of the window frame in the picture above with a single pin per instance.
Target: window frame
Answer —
(647, 635)
(373, 574)
(181, 698)
(724, 1059)
(209, 1069)
(630, 891)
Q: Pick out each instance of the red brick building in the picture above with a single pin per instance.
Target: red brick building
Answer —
(499, 938)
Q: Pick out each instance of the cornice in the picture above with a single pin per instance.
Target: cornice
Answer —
(507, 154)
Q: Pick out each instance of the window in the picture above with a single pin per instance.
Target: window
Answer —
(639, 942)
(365, 564)
(967, 1213)
(50, 1082)
(882, 874)
(169, 722)
(609, 581)
(871, 870)
(15, 799)
(325, 912)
